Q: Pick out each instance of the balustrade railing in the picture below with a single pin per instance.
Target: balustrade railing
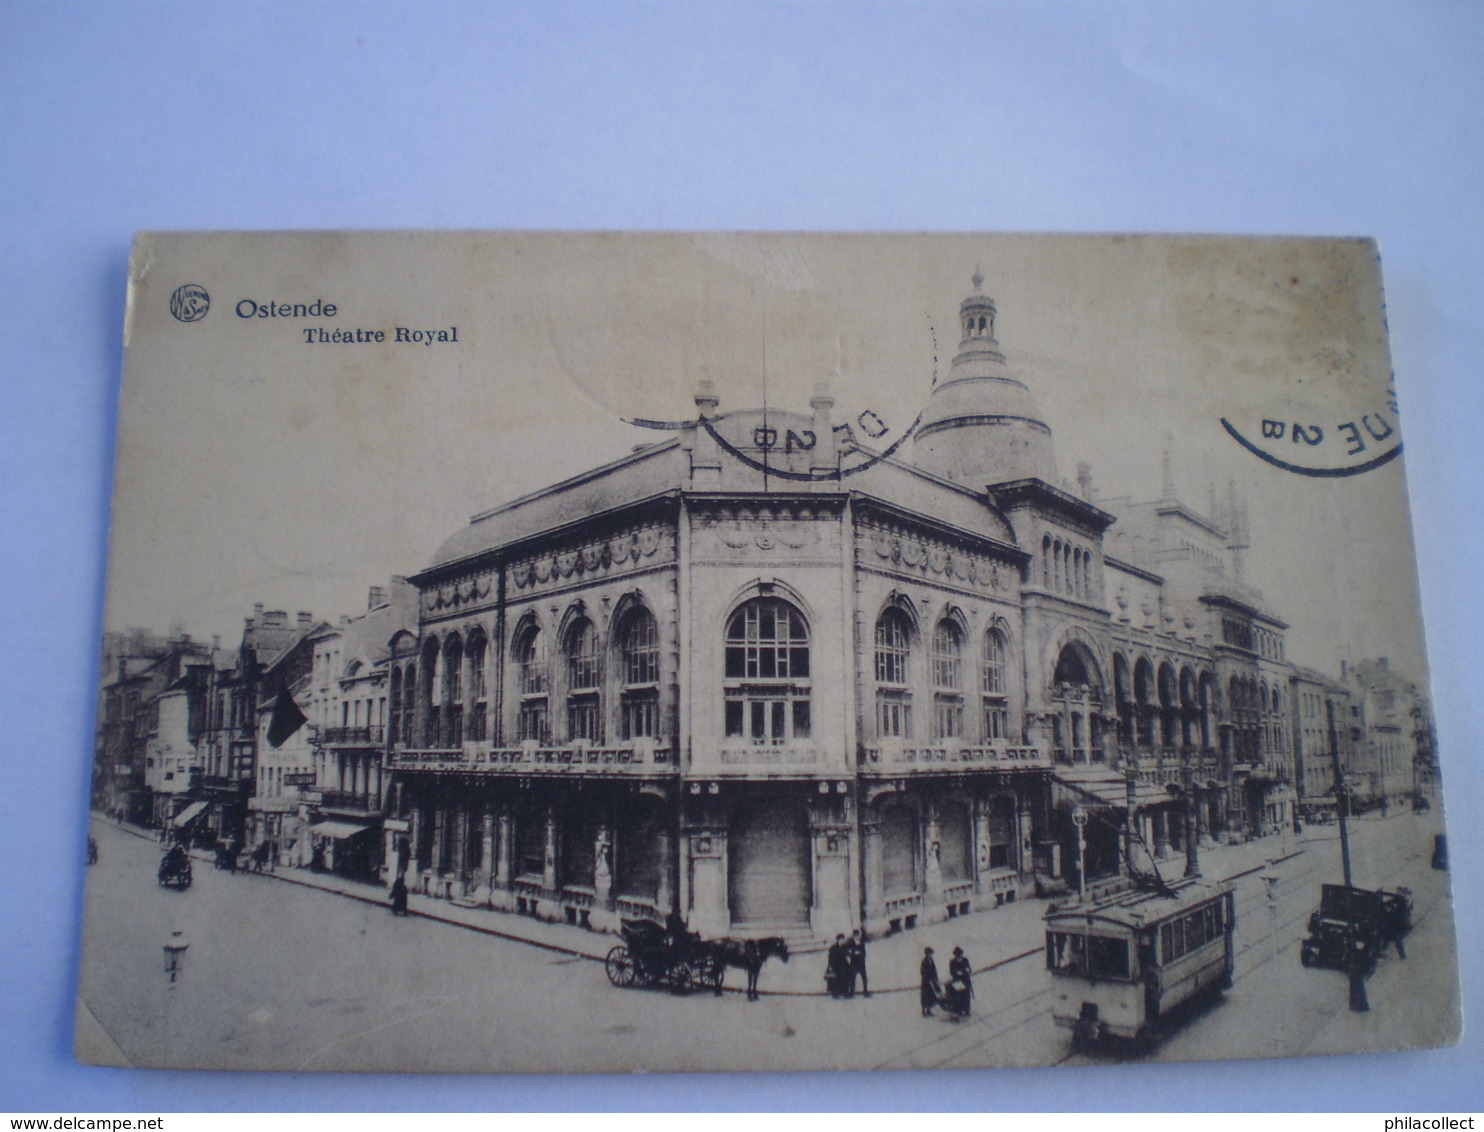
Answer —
(907, 756)
(765, 757)
(346, 801)
(531, 758)
(363, 736)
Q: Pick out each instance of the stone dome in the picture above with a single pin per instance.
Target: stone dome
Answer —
(982, 424)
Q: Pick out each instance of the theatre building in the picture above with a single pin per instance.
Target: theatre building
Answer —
(717, 676)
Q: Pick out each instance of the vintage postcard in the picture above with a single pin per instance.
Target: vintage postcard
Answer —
(608, 652)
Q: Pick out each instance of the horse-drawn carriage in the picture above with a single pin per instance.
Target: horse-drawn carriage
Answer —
(671, 957)
(175, 869)
(652, 955)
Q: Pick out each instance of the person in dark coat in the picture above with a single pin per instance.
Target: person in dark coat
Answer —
(960, 991)
(931, 990)
(399, 896)
(837, 968)
(855, 956)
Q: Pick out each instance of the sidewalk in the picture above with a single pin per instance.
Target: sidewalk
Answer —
(992, 939)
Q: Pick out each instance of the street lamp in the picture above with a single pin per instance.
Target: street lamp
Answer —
(1079, 819)
(175, 949)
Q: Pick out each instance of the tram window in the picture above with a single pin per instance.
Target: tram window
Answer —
(1172, 937)
(1146, 951)
(1065, 952)
(1107, 958)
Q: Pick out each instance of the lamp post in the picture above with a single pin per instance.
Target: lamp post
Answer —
(175, 949)
(1079, 819)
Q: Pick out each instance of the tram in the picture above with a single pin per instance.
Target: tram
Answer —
(1121, 963)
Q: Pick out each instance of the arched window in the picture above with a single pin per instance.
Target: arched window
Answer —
(639, 646)
(431, 693)
(395, 695)
(529, 655)
(409, 686)
(767, 673)
(893, 660)
(992, 684)
(948, 699)
(474, 658)
(583, 717)
(453, 692)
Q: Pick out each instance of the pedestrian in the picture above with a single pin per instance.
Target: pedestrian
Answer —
(399, 896)
(960, 984)
(931, 989)
(837, 968)
(855, 955)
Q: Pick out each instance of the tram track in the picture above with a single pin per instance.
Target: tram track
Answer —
(1251, 902)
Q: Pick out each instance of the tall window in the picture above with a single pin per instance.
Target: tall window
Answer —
(583, 721)
(767, 673)
(530, 679)
(893, 694)
(639, 644)
(409, 683)
(948, 699)
(453, 698)
(478, 688)
(992, 684)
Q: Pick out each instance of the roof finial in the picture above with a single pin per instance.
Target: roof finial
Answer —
(978, 278)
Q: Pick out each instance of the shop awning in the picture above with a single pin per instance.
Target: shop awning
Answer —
(1101, 787)
(339, 830)
(189, 814)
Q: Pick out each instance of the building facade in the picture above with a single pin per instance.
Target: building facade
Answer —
(761, 676)
(721, 677)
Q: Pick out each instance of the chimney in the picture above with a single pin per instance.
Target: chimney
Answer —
(1084, 482)
(216, 641)
(376, 596)
(306, 619)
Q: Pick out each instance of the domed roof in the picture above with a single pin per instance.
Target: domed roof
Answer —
(982, 424)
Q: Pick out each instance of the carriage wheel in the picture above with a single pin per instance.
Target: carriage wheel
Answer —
(715, 977)
(620, 967)
(681, 978)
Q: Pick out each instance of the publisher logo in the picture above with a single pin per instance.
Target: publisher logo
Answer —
(190, 302)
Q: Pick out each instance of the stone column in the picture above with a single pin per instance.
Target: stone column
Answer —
(487, 853)
(1160, 820)
(500, 895)
(709, 911)
(602, 918)
(981, 848)
(414, 841)
(934, 910)
(549, 854)
(438, 861)
(461, 849)
(830, 911)
(1023, 857)
(874, 912)
(664, 896)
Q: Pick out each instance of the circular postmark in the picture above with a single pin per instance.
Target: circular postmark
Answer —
(190, 302)
(1325, 447)
(838, 437)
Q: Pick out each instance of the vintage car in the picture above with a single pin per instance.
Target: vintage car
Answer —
(1352, 927)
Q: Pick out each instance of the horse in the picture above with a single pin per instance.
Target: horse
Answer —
(749, 955)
